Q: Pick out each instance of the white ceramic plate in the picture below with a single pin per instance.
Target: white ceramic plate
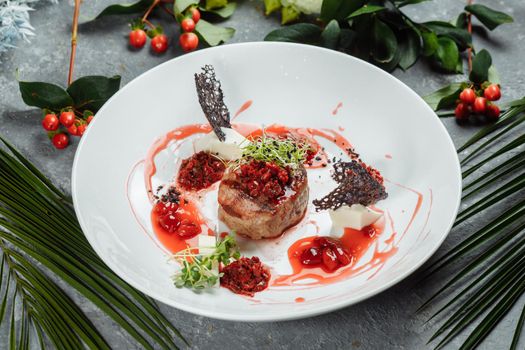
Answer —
(389, 125)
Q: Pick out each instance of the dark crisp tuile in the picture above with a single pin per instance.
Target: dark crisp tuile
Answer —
(356, 186)
(211, 100)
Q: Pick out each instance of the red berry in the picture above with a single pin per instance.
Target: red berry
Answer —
(462, 111)
(187, 24)
(60, 141)
(467, 96)
(492, 92)
(330, 259)
(188, 41)
(162, 208)
(81, 129)
(90, 119)
(311, 256)
(480, 104)
(195, 15)
(137, 38)
(67, 118)
(188, 229)
(50, 122)
(73, 130)
(342, 256)
(169, 222)
(492, 111)
(159, 43)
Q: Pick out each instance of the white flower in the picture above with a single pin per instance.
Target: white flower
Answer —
(305, 6)
(14, 22)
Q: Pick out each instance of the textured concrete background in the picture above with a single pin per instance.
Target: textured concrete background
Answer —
(387, 321)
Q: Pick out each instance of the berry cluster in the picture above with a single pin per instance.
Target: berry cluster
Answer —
(188, 40)
(327, 253)
(478, 101)
(58, 127)
(172, 219)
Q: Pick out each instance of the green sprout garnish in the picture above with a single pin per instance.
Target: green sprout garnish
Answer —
(202, 271)
(283, 152)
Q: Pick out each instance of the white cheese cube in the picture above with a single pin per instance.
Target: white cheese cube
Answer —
(206, 244)
(230, 149)
(356, 216)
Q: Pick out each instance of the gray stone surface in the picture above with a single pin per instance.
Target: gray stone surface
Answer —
(386, 321)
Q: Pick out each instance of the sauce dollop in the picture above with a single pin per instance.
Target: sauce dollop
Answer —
(175, 220)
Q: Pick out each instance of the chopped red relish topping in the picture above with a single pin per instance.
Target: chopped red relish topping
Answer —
(245, 276)
(327, 253)
(200, 171)
(258, 178)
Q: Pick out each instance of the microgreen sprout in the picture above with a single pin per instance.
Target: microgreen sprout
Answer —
(281, 151)
(202, 271)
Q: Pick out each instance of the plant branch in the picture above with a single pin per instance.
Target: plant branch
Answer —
(73, 42)
(148, 11)
(469, 28)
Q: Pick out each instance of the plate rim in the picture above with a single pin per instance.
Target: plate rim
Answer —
(254, 317)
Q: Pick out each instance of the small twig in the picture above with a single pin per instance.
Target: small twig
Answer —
(167, 10)
(151, 25)
(73, 42)
(469, 28)
(150, 8)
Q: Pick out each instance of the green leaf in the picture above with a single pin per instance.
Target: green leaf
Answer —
(461, 21)
(224, 12)
(41, 224)
(504, 119)
(444, 97)
(213, 35)
(430, 43)
(125, 9)
(44, 95)
(447, 54)
(480, 67)
(384, 42)
(289, 14)
(330, 35)
(91, 92)
(409, 2)
(394, 62)
(409, 48)
(489, 17)
(180, 5)
(339, 9)
(494, 75)
(215, 4)
(519, 329)
(271, 6)
(461, 36)
(366, 9)
(296, 33)
(347, 38)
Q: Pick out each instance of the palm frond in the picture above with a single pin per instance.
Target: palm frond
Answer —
(519, 328)
(38, 224)
(487, 287)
